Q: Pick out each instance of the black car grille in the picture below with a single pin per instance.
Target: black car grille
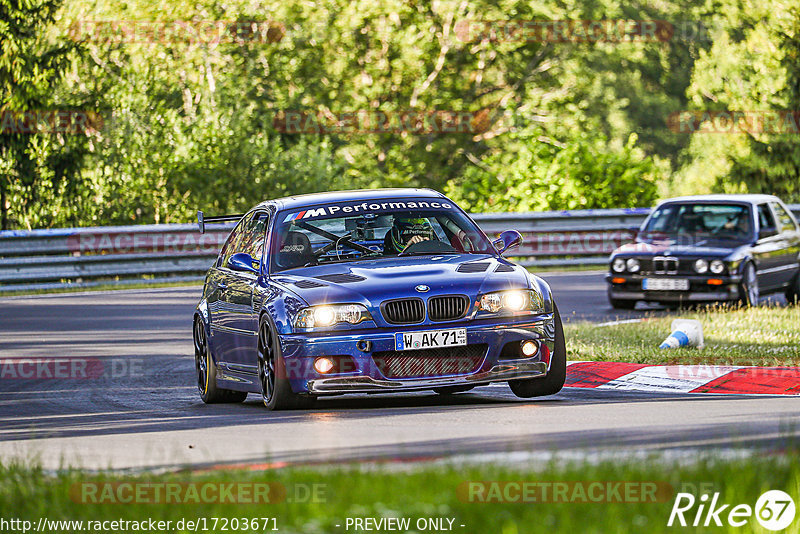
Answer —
(448, 307)
(663, 265)
(430, 362)
(404, 311)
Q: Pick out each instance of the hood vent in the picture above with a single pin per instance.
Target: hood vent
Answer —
(341, 278)
(503, 268)
(473, 267)
(308, 284)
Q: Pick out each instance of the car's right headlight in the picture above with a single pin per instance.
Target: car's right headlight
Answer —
(618, 265)
(515, 300)
(633, 265)
(329, 315)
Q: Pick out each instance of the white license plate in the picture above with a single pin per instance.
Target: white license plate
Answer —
(430, 339)
(665, 284)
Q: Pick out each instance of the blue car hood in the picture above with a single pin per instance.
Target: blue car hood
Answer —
(371, 282)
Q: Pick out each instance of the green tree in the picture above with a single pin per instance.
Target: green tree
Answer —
(36, 169)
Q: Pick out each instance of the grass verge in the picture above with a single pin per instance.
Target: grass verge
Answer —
(765, 336)
(322, 499)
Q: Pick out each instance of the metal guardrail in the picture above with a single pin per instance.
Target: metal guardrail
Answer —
(120, 255)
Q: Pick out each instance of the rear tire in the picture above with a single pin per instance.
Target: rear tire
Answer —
(276, 391)
(551, 383)
(207, 371)
(793, 291)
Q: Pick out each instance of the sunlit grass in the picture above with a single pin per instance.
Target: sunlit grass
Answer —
(427, 491)
(763, 336)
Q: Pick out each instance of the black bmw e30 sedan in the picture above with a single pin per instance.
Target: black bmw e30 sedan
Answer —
(709, 248)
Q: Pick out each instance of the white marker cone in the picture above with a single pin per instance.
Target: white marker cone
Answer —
(685, 333)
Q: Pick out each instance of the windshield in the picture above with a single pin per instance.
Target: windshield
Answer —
(378, 229)
(696, 223)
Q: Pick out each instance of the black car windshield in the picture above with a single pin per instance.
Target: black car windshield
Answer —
(374, 229)
(695, 224)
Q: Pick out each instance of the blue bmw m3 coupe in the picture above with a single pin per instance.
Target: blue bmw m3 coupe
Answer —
(374, 291)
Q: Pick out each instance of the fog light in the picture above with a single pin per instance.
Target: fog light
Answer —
(323, 365)
(714, 282)
(617, 280)
(529, 348)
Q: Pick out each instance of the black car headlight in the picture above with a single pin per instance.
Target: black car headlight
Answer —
(633, 265)
(618, 265)
(717, 266)
(511, 301)
(331, 314)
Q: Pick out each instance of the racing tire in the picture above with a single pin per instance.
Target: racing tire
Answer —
(276, 391)
(450, 390)
(206, 370)
(553, 381)
(793, 291)
(749, 292)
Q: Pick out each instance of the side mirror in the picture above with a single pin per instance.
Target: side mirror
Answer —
(242, 262)
(764, 233)
(508, 239)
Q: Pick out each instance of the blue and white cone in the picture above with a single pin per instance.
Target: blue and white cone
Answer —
(685, 333)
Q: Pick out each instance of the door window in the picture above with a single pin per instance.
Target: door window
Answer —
(785, 222)
(254, 235)
(765, 219)
(231, 244)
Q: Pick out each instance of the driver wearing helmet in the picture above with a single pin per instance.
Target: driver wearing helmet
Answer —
(406, 231)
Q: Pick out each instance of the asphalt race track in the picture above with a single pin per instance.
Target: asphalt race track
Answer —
(140, 409)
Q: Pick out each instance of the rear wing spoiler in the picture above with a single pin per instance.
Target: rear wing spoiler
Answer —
(202, 220)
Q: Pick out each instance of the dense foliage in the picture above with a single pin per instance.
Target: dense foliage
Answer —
(188, 121)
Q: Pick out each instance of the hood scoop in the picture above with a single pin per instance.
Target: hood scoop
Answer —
(341, 278)
(308, 284)
(473, 267)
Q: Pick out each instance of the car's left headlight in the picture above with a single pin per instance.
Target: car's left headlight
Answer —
(512, 301)
(329, 315)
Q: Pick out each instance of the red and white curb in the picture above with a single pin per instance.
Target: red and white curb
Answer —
(731, 380)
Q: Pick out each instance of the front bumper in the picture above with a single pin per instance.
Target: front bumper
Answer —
(699, 288)
(301, 349)
(367, 384)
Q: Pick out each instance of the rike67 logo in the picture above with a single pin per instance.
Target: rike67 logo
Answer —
(774, 510)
